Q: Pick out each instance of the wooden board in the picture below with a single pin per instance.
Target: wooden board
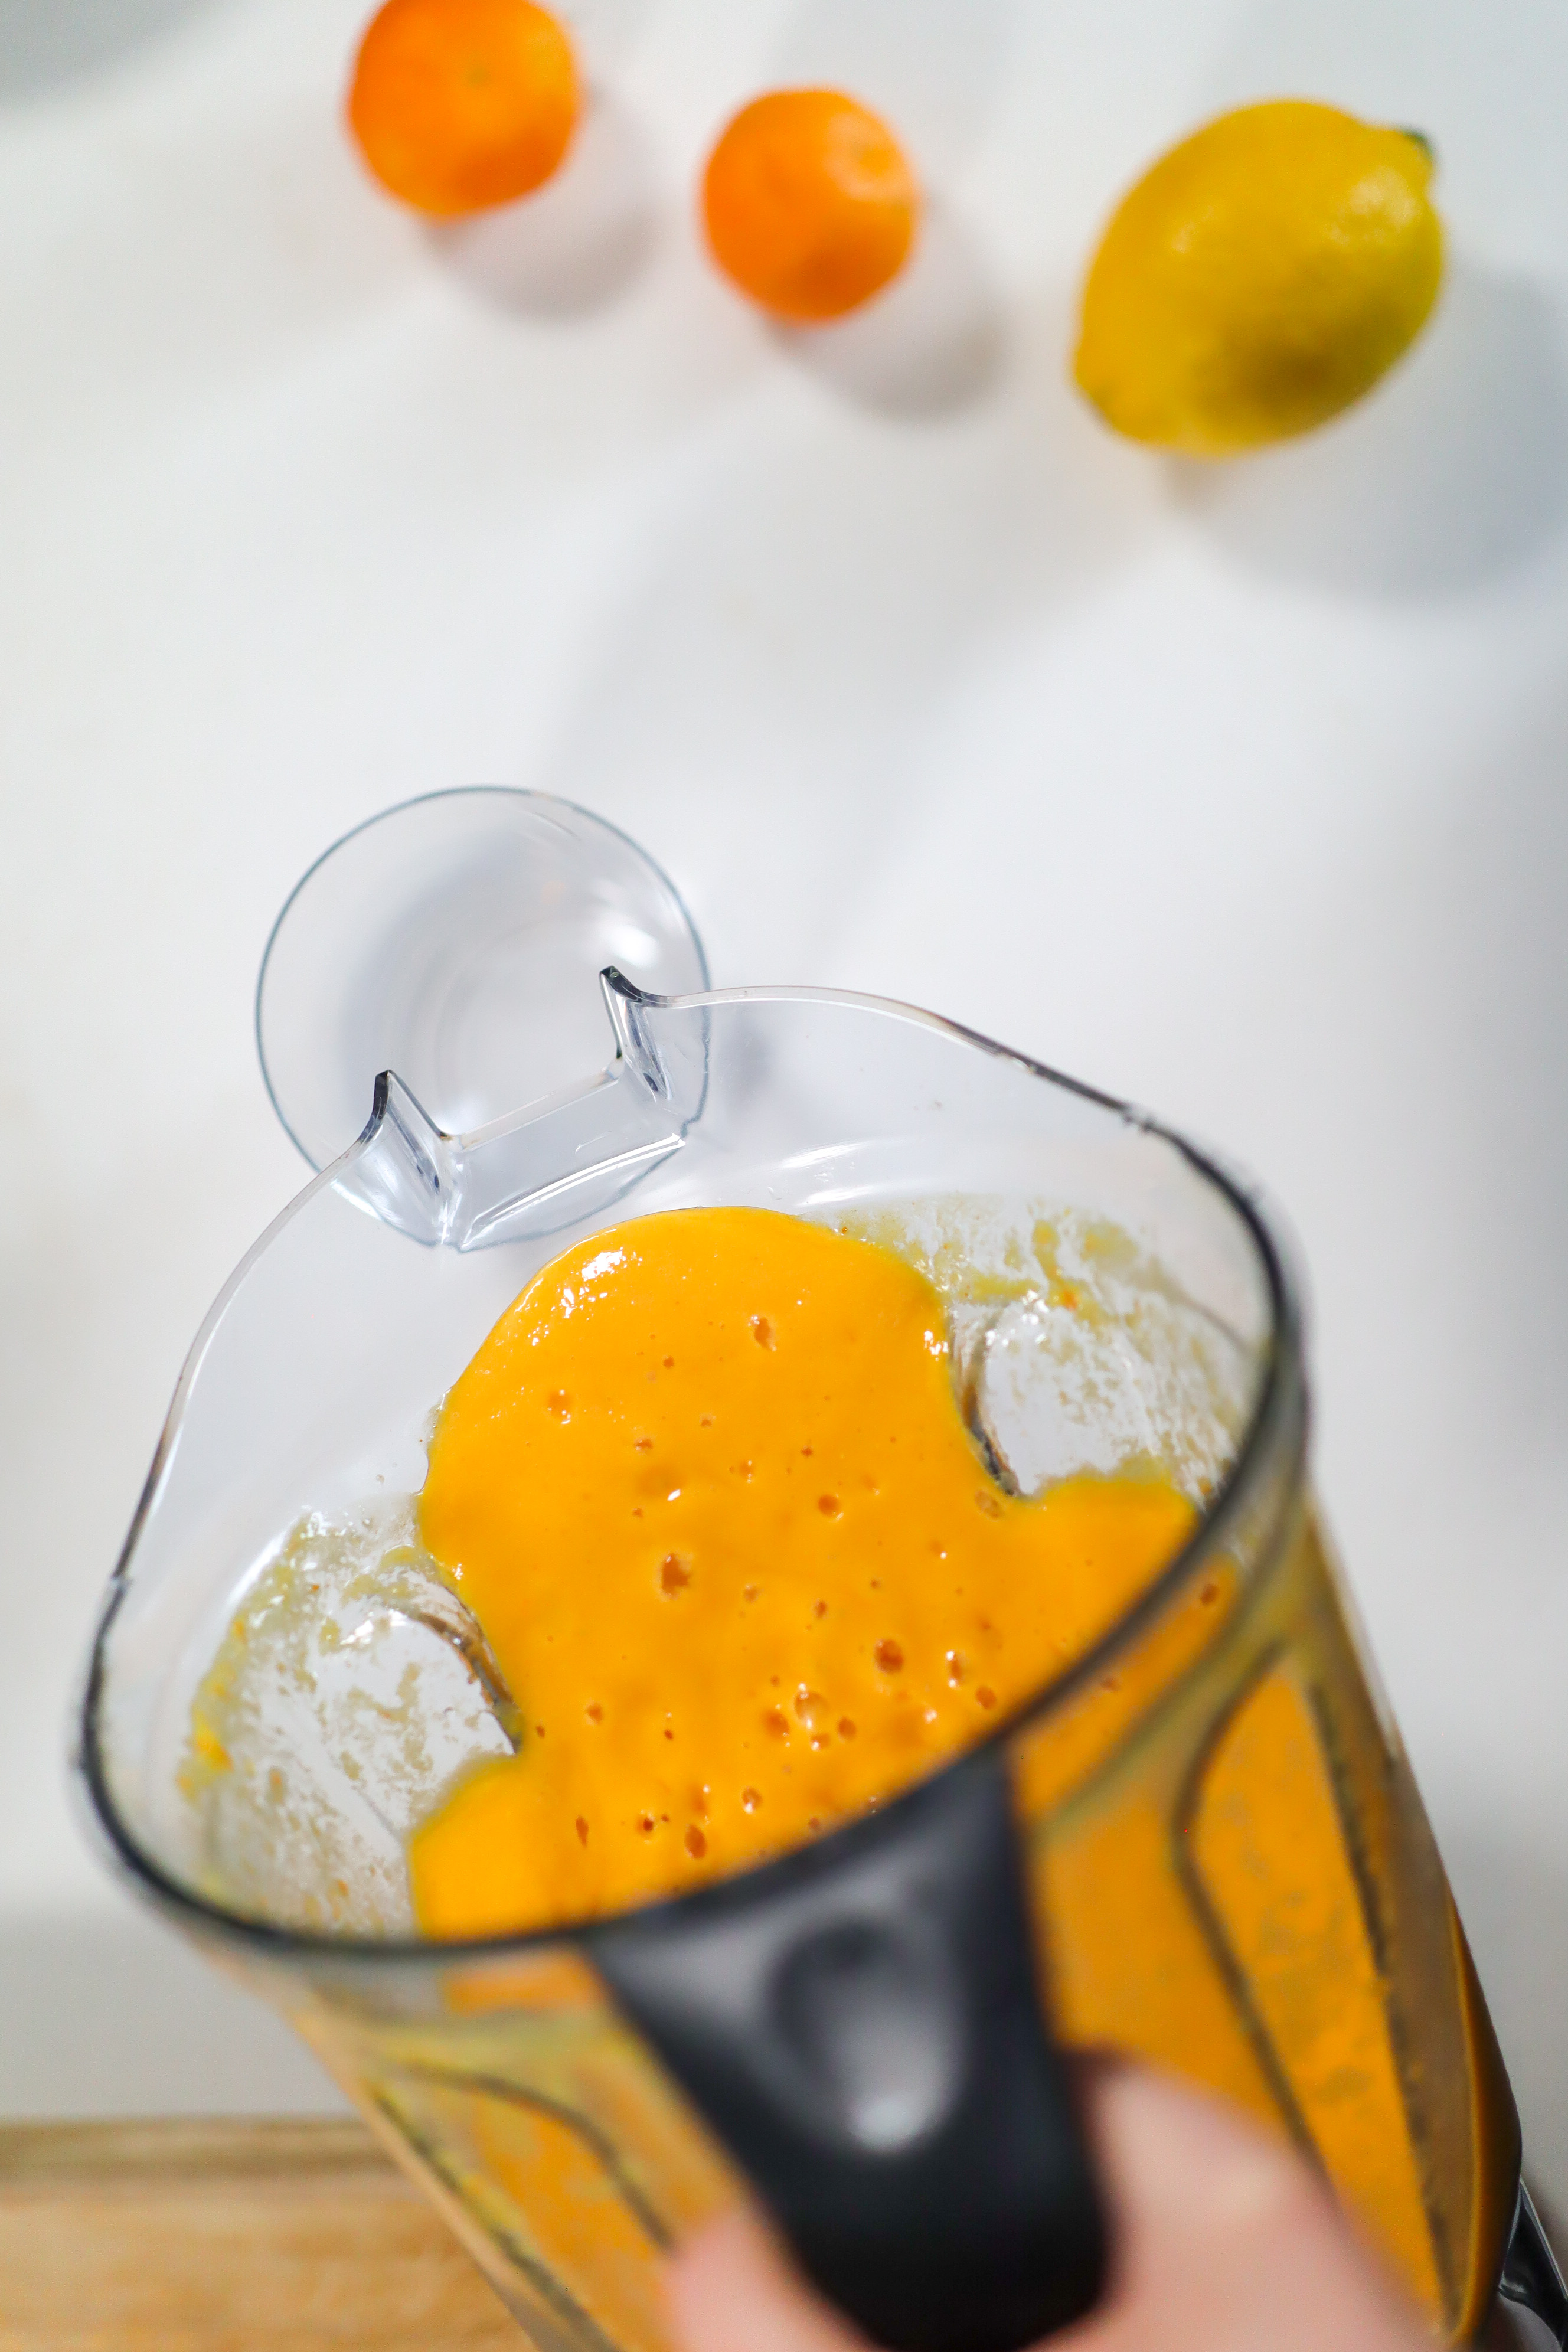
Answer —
(177, 2236)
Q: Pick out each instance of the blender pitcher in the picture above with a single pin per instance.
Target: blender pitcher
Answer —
(1200, 1845)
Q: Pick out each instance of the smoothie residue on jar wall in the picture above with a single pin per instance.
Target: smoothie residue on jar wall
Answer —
(1083, 1408)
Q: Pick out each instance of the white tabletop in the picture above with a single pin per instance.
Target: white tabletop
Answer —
(1242, 792)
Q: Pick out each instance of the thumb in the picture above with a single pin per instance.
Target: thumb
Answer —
(1223, 2240)
(733, 2290)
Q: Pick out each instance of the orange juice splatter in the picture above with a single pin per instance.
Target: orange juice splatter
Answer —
(707, 1489)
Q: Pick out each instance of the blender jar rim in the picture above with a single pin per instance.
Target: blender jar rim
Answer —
(1275, 1425)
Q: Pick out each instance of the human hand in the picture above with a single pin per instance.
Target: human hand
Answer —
(1223, 2240)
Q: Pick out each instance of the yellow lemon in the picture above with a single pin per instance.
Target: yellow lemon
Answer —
(1260, 278)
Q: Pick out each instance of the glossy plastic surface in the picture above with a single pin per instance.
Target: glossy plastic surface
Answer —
(459, 941)
(1230, 1869)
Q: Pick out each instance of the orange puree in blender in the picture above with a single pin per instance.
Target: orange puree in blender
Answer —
(707, 1489)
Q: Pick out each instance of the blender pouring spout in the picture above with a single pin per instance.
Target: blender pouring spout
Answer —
(550, 1162)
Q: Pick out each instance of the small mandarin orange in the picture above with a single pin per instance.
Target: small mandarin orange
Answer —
(460, 104)
(810, 203)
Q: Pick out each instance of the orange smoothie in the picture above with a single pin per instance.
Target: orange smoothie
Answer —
(707, 1489)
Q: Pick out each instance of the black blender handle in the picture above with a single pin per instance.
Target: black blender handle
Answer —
(860, 2024)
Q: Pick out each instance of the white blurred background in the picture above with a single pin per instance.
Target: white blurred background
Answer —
(1242, 792)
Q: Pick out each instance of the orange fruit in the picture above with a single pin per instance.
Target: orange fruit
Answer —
(810, 203)
(460, 104)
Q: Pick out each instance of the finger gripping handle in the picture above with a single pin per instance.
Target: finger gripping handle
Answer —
(861, 2023)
